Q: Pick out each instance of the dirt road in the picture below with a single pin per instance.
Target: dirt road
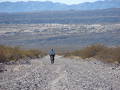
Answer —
(65, 74)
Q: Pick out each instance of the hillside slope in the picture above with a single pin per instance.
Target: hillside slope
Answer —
(65, 74)
(64, 17)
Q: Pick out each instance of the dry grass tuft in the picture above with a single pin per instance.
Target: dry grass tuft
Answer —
(15, 53)
(98, 51)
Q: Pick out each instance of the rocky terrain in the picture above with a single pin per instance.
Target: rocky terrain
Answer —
(67, 36)
(65, 74)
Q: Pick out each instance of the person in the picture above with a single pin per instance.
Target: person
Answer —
(52, 55)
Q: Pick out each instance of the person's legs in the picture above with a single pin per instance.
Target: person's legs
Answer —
(52, 59)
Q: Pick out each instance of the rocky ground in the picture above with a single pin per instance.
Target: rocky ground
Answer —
(65, 74)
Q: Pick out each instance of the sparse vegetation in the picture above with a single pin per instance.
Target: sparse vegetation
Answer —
(98, 51)
(8, 53)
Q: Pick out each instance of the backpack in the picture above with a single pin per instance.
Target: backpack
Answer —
(52, 52)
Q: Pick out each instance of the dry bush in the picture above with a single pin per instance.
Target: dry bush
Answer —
(87, 52)
(110, 54)
(33, 53)
(91, 51)
(98, 51)
(15, 53)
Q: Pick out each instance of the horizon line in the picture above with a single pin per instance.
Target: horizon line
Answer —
(49, 1)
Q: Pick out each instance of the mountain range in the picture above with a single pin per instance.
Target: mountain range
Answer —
(36, 6)
(64, 17)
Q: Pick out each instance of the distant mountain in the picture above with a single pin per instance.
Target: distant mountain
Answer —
(64, 17)
(35, 6)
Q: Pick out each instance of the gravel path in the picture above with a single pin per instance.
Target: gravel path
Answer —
(65, 74)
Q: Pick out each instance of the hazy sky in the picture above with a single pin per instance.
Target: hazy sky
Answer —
(62, 1)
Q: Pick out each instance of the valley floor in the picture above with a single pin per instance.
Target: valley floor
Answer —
(65, 74)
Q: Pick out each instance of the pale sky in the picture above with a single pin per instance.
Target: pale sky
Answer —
(62, 1)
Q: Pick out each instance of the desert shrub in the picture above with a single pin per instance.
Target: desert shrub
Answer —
(89, 51)
(15, 53)
(33, 53)
(98, 51)
(110, 54)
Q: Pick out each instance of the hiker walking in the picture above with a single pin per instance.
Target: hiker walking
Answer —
(52, 55)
